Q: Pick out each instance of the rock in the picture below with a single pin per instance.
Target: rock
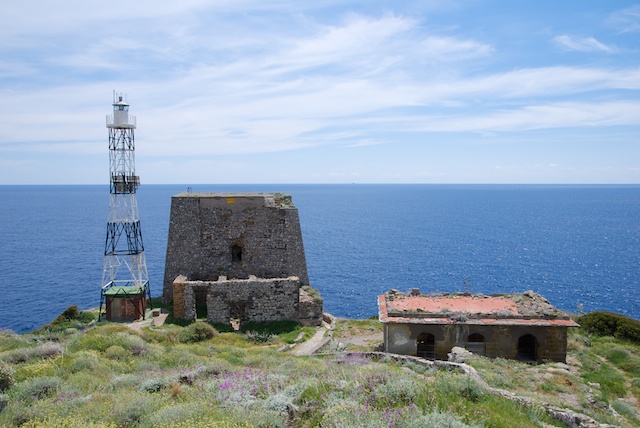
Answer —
(458, 355)
(562, 366)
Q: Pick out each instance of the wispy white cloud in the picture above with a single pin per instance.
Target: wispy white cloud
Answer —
(247, 77)
(536, 117)
(628, 19)
(582, 44)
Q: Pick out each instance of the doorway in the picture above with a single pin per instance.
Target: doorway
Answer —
(527, 348)
(426, 344)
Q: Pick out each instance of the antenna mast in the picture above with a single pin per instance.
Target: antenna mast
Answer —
(125, 281)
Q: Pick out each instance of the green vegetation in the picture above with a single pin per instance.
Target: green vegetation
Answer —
(312, 292)
(70, 318)
(610, 324)
(349, 327)
(109, 375)
(602, 371)
(197, 332)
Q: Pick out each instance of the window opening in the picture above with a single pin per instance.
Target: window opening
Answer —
(475, 344)
(426, 344)
(236, 253)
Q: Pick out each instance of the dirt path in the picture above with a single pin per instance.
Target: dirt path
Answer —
(313, 344)
(362, 340)
(155, 321)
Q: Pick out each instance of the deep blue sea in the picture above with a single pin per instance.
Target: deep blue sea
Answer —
(579, 246)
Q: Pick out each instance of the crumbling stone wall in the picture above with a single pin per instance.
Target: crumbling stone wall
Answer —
(233, 235)
(253, 299)
(310, 307)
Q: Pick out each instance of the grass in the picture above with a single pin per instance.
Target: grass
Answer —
(349, 327)
(604, 371)
(112, 376)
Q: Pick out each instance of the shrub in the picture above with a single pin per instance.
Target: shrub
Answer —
(197, 332)
(611, 324)
(70, 317)
(281, 403)
(188, 376)
(116, 352)
(130, 413)
(20, 355)
(36, 369)
(48, 350)
(84, 361)
(125, 381)
(6, 376)
(102, 338)
(155, 384)
(4, 400)
(344, 414)
(460, 317)
(460, 385)
(259, 336)
(9, 340)
(69, 314)
(37, 388)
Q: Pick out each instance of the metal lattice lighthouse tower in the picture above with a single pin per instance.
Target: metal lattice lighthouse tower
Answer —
(125, 281)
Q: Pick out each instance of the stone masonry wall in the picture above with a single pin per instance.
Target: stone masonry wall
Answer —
(235, 235)
(253, 299)
(500, 341)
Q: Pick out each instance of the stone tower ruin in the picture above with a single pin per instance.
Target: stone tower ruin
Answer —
(240, 256)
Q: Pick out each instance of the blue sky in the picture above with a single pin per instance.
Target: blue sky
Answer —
(324, 91)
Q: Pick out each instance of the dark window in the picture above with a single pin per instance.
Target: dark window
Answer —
(475, 337)
(236, 253)
(475, 344)
(426, 346)
(527, 348)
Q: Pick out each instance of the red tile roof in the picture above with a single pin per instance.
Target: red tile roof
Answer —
(528, 308)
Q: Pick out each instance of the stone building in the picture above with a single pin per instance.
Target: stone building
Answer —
(239, 256)
(516, 326)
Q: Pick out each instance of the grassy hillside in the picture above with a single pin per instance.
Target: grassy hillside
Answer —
(110, 375)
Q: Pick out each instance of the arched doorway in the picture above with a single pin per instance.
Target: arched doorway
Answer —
(475, 344)
(426, 346)
(527, 348)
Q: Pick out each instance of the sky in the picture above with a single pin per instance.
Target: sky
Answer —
(324, 91)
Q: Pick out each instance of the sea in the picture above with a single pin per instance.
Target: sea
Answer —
(577, 245)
